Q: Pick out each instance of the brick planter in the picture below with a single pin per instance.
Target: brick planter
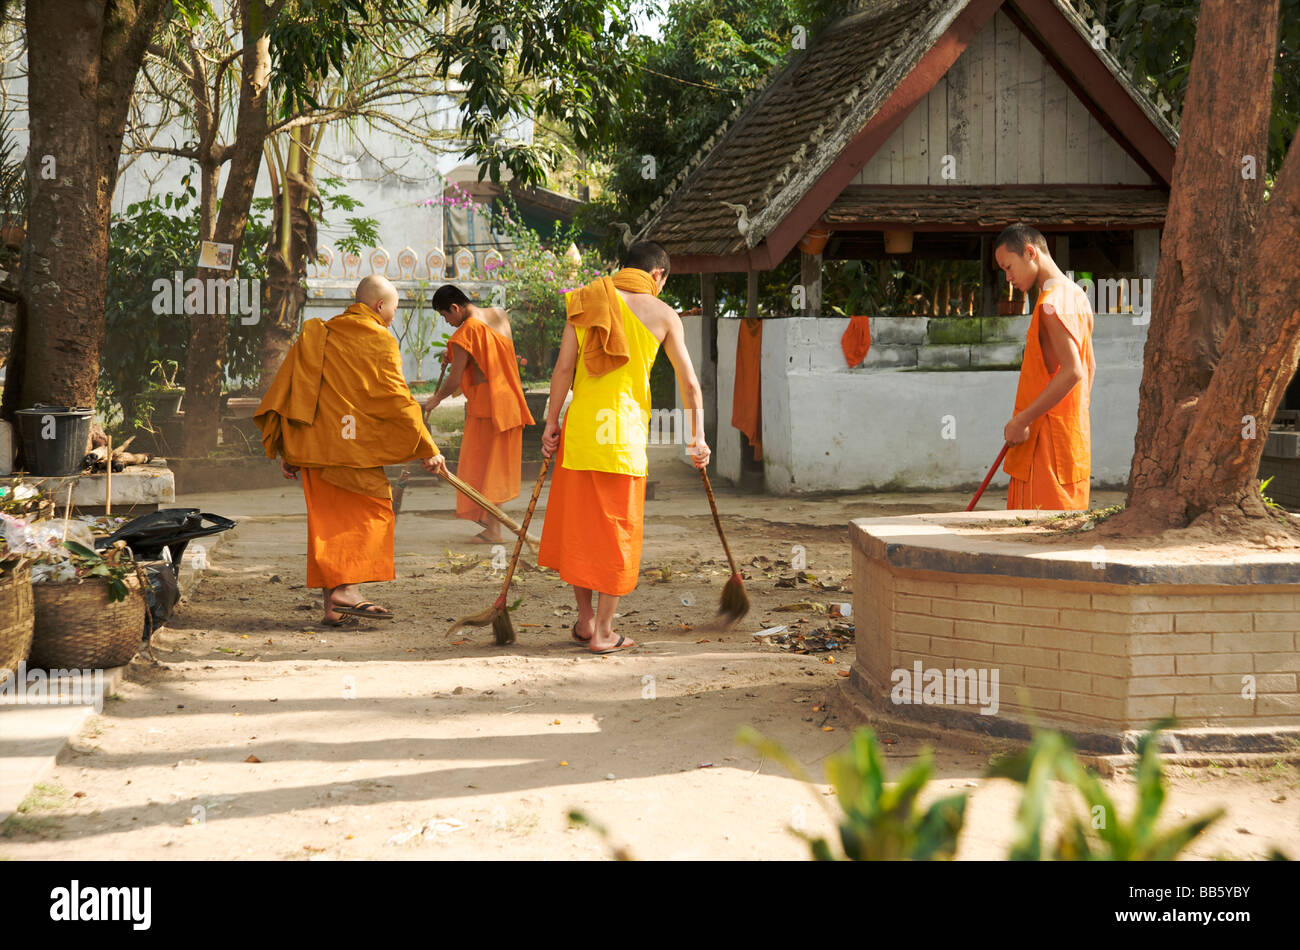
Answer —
(1098, 648)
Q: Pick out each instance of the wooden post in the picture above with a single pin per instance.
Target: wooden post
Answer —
(1061, 251)
(810, 275)
(108, 480)
(708, 369)
(751, 293)
(988, 302)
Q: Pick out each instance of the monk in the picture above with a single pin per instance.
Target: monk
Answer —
(1050, 459)
(595, 510)
(483, 365)
(339, 410)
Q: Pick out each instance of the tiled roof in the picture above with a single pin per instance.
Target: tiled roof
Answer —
(975, 207)
(785, 135)
(798, 123)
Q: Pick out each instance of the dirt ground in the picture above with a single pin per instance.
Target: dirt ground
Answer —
(260, 734)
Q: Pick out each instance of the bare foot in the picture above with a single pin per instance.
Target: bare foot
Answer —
(588, 625)
(484, 538)
(612, 646)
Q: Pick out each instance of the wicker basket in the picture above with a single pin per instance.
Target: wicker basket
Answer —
(16, 617)
(78, 627)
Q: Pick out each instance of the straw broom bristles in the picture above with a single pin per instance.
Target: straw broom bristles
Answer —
(503, 631)
(735, 602)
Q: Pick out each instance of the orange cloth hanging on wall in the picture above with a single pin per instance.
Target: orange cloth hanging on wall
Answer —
(747, 396)
(856, 340)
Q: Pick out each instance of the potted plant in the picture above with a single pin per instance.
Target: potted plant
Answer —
(13, 190)
(162, 396)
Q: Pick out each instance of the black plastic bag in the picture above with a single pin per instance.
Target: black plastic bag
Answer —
(170, 528)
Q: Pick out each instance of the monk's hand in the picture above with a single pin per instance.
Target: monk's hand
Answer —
(1015, 431)
(700, 453)
(435, 465)
(431, 403)
(287, 470)
(551, 439)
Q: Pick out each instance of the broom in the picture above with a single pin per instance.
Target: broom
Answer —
(400, 489)
(735, 602)
(497, 615)
(987, 478)
(475, 496)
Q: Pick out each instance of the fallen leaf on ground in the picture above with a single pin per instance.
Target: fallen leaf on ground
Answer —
(251, 758)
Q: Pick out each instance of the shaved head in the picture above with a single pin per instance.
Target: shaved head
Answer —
(374, 288)
(378, 293)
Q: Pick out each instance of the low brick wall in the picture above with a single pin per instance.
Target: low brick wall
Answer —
(1098, 657)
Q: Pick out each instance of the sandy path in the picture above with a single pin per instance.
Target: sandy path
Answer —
(367, 735)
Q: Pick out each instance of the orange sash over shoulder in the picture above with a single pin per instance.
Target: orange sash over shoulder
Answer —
(597, 308)
(491, 381)
(341, 404)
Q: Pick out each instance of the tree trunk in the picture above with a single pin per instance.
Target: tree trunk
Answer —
(292, 245)
(206, 355)
(83, 58)
(1223, 336)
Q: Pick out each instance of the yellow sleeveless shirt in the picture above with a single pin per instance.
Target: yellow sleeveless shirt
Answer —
(608, 422)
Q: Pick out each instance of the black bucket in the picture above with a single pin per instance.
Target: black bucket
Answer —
(55, 438)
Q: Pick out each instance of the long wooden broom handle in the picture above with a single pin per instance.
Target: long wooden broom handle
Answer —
(474, 495)
(987, 478)
(519, 544)
(717, 522)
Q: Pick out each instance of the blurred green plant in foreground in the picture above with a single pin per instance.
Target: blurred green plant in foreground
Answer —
(880, 821)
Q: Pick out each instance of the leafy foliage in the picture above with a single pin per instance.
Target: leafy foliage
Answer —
(557, 62)
(880, 821)
(153, 240)
(114, 565)
(1158, 39)
(711, 55)
(1104, 835)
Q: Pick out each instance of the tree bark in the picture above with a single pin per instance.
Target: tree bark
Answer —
(292, 245)
(206, 354)
(83, 57)
(1222, 340)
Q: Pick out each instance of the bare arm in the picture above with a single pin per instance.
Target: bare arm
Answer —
(459, 360)
(1070, 374)
(561, 382)
(689, 385)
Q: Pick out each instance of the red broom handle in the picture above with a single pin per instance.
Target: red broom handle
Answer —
(989, 477)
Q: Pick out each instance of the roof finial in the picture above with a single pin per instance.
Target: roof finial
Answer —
(742, 224)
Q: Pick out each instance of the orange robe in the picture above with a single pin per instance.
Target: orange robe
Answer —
(747, 383)
(1051, 470)
(339, 409)
(495, 415)
(856, 341)
(595, 511)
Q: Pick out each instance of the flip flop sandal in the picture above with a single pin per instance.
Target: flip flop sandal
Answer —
(359, 610)
(615, 648)
(341, 622)
(574, 631)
